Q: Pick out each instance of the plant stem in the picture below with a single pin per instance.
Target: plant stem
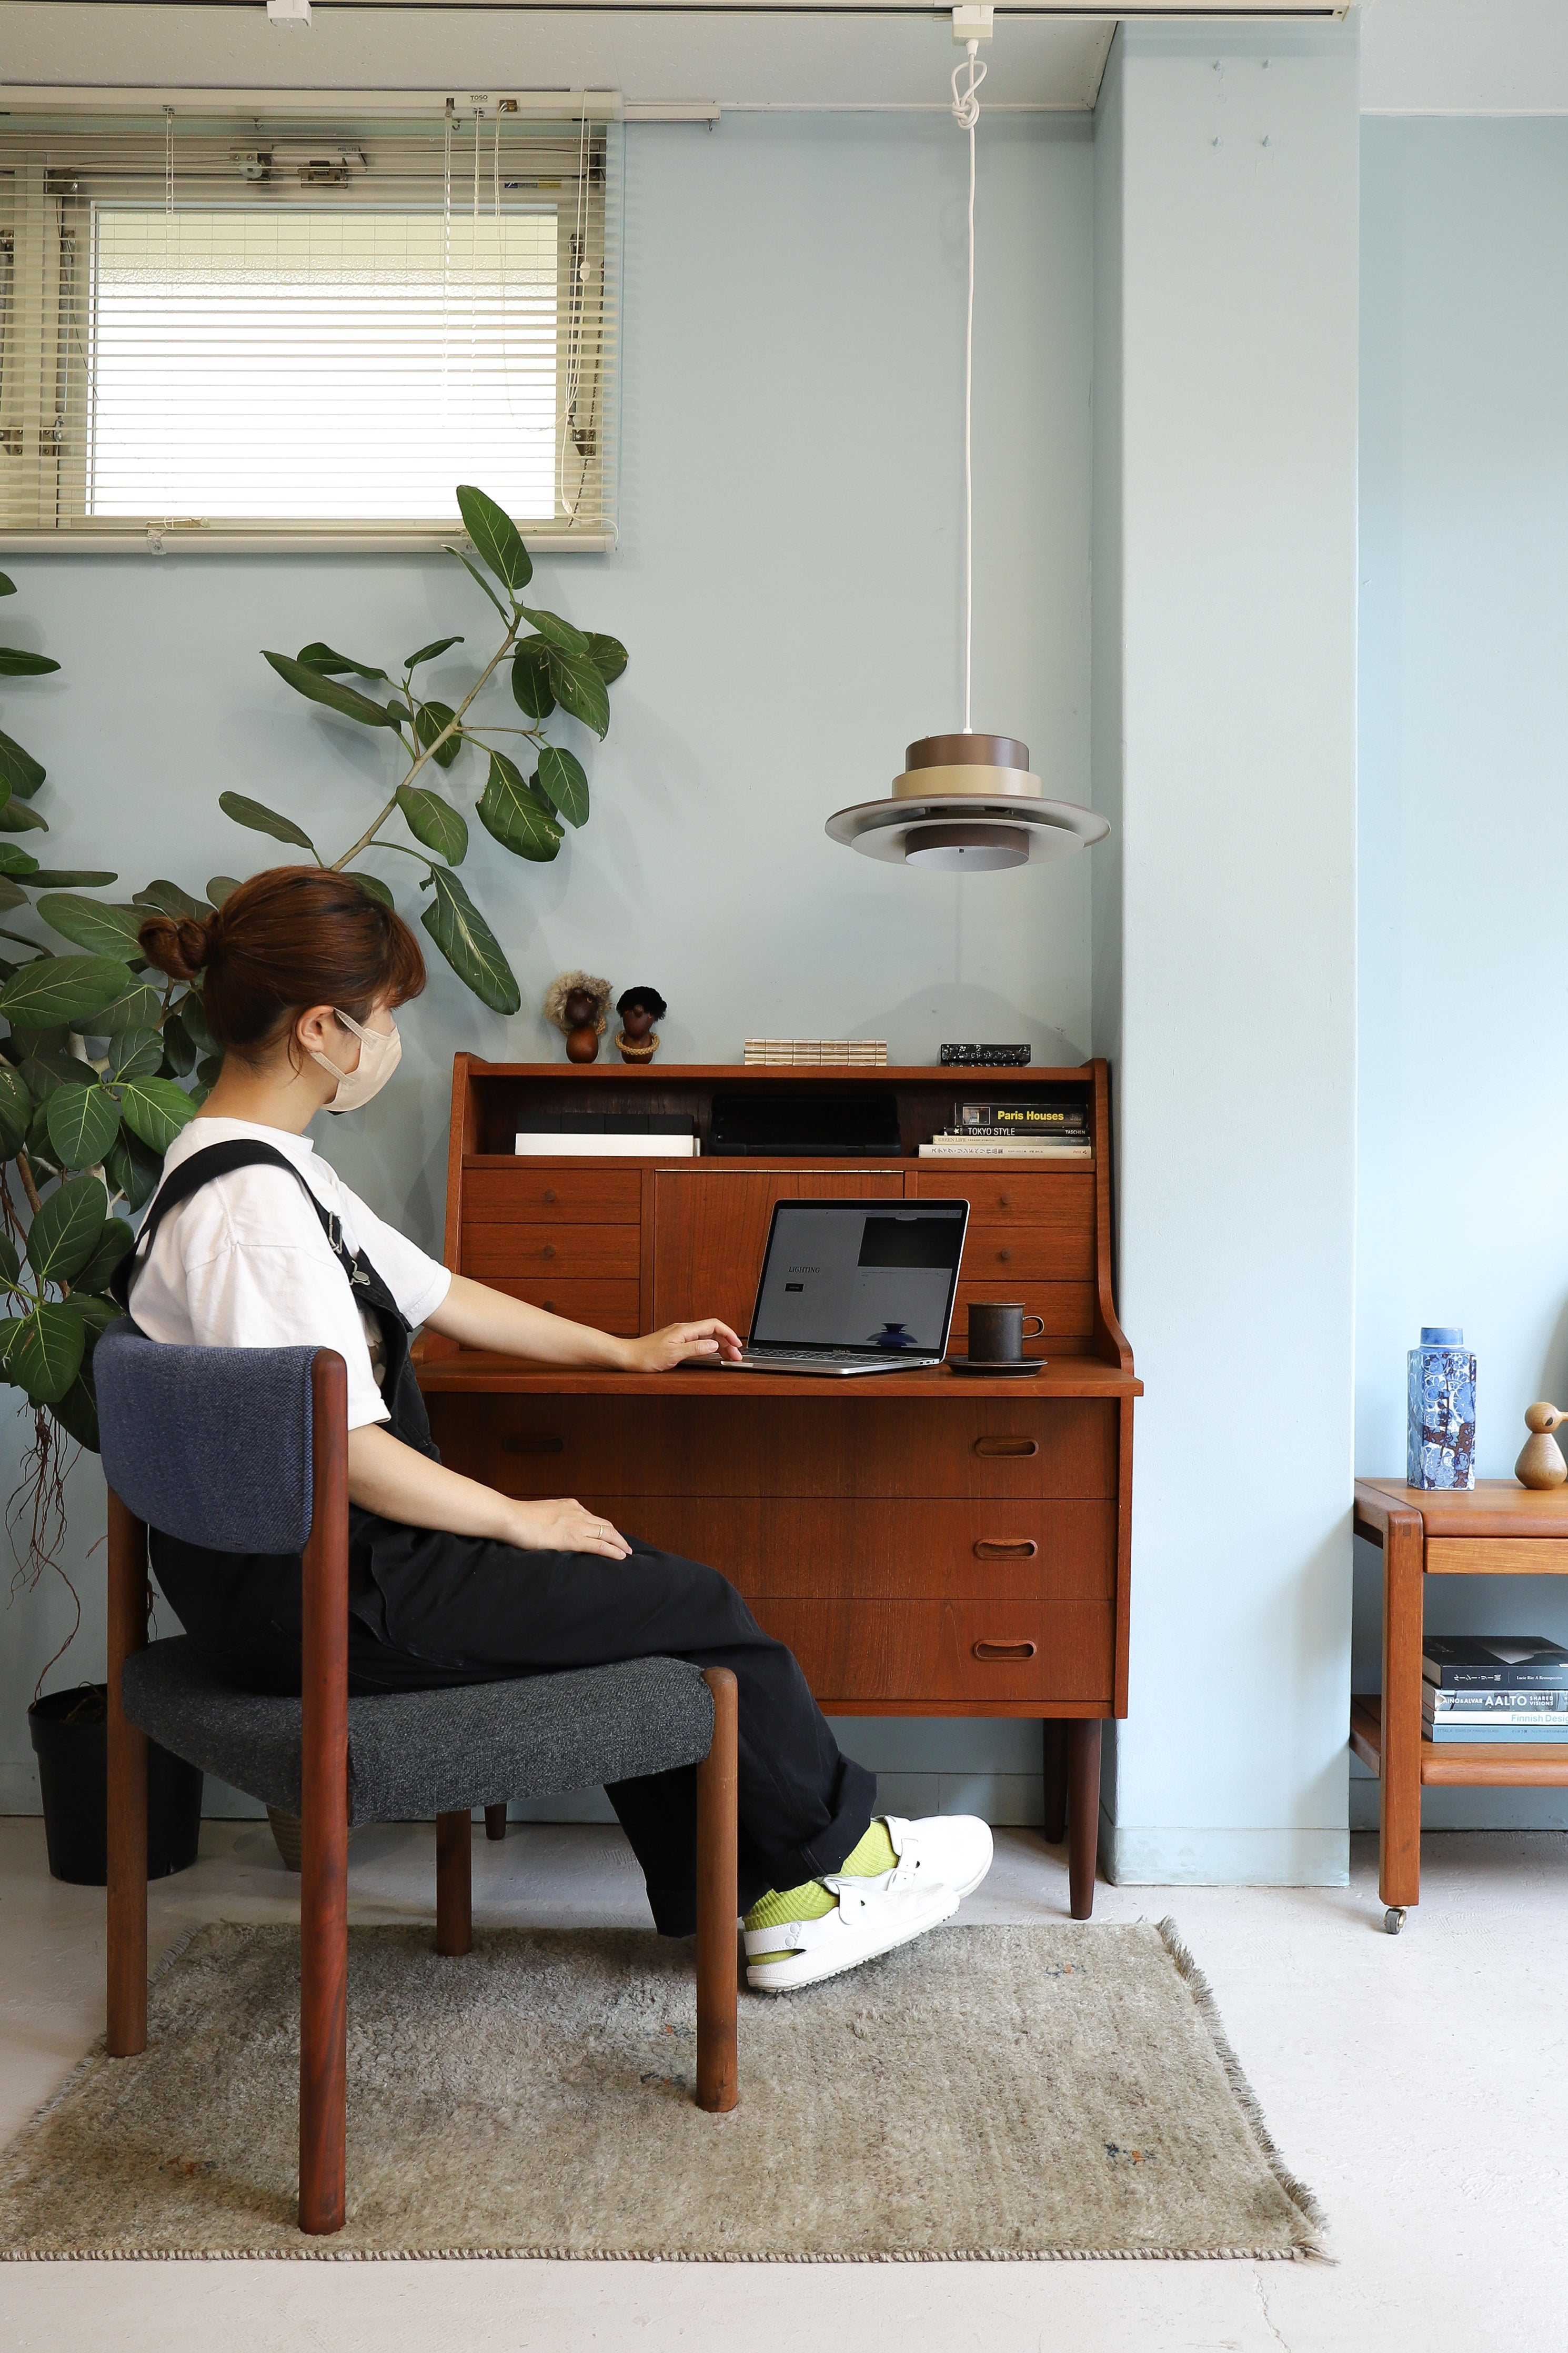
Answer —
(452, 727)
(25, 1171)
(403, 850)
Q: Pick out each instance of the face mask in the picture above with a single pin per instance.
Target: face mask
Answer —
(379, 1055)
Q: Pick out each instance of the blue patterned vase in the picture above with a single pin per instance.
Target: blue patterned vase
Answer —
(1440, 1451)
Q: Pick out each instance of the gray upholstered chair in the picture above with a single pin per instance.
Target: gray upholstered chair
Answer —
(246, 1449)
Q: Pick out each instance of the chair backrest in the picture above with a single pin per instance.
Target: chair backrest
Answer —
(212, 1445)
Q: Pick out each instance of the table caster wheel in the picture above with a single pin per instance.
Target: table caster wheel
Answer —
(1393, 1919)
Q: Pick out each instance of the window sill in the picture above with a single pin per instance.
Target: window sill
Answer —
(187, 539)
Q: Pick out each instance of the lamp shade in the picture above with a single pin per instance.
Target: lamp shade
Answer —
(967, 803)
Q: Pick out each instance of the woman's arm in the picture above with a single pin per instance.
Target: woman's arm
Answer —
(477, 1317)
(401, 1483)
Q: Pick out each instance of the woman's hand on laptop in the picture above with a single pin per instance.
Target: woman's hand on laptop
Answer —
(677, 1344)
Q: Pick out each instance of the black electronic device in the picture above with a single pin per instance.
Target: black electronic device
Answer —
(847, 1126)
(979, 1058)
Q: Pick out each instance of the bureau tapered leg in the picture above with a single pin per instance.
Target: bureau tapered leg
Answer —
(1083, 1812)
(1055, 1744)
(495, 1820)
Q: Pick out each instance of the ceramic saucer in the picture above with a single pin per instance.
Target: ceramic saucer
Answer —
(1001, 1365)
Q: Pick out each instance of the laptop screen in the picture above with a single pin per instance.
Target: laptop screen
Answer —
(860, 1274)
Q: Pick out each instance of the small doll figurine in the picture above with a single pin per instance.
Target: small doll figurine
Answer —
(578, 1003)
(639, 1008)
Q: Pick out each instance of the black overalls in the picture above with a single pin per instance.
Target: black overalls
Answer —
(427, 1608)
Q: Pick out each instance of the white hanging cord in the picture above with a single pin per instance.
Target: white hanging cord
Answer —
(168, 162)
(446, 272)
(576, 297)
(966, 115)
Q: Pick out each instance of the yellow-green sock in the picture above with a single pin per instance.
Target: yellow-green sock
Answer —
(812, 1901)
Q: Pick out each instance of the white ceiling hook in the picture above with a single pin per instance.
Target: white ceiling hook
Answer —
(971, 24)
(288, 12)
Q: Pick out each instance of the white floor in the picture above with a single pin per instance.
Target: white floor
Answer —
(1413, 2082)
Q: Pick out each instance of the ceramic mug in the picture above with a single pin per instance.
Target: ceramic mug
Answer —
(997, 1332)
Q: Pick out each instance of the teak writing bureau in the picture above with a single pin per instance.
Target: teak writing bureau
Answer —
(926, 1544)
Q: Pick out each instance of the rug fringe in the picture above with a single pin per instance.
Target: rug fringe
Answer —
(1246, 2099)
(319, 2254)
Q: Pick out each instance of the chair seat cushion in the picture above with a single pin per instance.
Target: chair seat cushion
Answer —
(427, 1752)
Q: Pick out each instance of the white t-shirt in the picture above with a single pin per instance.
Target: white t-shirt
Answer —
(244, 1263)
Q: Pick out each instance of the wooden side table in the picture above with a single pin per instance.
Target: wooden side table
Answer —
(1495, 1528)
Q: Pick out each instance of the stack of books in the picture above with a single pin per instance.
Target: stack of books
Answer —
(1494, 1687)
(1014, 1131)
(838, 1053)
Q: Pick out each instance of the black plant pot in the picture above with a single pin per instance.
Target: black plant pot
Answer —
(71, 1739)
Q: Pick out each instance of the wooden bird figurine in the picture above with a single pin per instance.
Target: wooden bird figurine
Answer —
(1541, 1462)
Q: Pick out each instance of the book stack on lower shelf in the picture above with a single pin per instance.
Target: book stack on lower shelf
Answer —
(1511, 1689)
(1014, 1131)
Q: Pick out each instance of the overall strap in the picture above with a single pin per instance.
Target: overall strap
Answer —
(221, 1160)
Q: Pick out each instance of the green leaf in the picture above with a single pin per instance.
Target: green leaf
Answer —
(96, 1313)
(564, 784)
(558, 632)
(83, 1121)
(139, 1008)
(607, 655)
(77, 1413)
(96, 924)
(16, 1111)
(428, 721)
(207, 1076)
(468, 945)
(578, 687)
(16, 862)
(47, 1347)
(154, 1109)
(72, 878)
(316, 689)
(14, 663)
(15, 817)
(178, 1055)
(429, 652)
(376, 888)
(116, 1238)
(65, 1232)
(517, 814)
(497, 539)
(10, 1264)
(475, 574)
(170, 900)
(48, 1066)
(133, 1170)
(19, 772)
(531, 688)
(40, 1151)
(62, 988)
(7, 585)
(319, 657)
(193, 1020)
(260, 820)
(136, 1053)
(12, 893)
(222, 887)
(433, 824)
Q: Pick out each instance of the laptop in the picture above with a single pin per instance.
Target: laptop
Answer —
(851, 1287)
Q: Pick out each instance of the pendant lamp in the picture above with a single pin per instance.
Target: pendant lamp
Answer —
(967, 803)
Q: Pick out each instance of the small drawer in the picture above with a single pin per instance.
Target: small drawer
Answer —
(1060, 1204)
(609, 1307)
(560, 1252)
(526, 1196)
(977, 1649)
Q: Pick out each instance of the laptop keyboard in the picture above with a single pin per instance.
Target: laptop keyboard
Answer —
(842, 1355)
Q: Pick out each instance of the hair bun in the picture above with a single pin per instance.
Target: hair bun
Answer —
(176, 945)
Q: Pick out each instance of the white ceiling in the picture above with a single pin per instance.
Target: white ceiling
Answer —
(1459, 56)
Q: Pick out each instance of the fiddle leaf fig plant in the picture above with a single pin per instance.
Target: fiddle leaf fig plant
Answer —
(554, 667)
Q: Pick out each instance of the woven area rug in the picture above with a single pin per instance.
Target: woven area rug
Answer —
(997, 2092)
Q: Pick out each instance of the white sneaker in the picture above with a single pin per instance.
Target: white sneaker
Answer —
(941, 1861)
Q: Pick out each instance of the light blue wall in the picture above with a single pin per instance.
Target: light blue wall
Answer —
(1464, 860)
(789, 584)
(1224, 743)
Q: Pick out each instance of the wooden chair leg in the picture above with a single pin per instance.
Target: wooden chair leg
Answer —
(718, 1965)
(127, 1791)
(454, 1885)
(1055, 1744)
(495, 1820)
(1083, 1812)
(324, 1815)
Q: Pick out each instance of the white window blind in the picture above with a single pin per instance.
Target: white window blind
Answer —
(257, 331)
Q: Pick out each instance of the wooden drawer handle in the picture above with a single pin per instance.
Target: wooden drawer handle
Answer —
(1005, 1548)
(1004, 1255)
(535, 1441)
(1002, 1651)
(549, 1193)
(1006, 1446)
(548, 1252)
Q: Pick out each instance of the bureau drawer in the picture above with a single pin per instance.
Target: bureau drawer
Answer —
(1066, 1310)
(1057, 1207)
(960, 1649)
(1016, 1254)
(711, 1447)
(785, 1548)
(610, 1306)
(563, 1252)
(553, 1197)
